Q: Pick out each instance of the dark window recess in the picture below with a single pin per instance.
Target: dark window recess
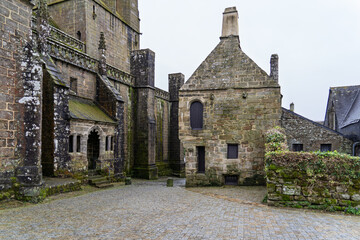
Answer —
(231, 179)
(232, 152)
(78, 34)
(78, 143)
(107, 144)
(112, 144)
(71, 142)
(297, 147)
(196, 115)
(325, 147)
(201, 159)
(73, 85)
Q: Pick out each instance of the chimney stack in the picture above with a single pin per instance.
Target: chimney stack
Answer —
(292, 107)
(274, 67)
(230, 25)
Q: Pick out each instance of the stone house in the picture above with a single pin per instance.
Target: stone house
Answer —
(304, 134)
(226, 107)
(80, 95)
(342, 113)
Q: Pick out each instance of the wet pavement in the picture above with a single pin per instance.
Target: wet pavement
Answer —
(150, 210)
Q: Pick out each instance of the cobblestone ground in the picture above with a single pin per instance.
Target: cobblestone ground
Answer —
(150, 210)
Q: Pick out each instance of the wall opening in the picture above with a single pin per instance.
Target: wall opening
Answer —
(231, 180)
(201, 159)
(297, 147)
(325, 147)
(93, 149)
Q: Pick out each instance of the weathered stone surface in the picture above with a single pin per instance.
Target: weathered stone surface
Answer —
(300, 130)
(240, 102)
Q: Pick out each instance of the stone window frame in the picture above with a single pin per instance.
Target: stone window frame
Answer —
(109, 143)
(75, 143)
(190, 105)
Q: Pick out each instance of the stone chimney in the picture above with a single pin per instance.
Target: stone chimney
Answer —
(230, 25)
(292, 107)
(274, 67)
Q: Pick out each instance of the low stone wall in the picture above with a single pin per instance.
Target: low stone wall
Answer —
(318, 180)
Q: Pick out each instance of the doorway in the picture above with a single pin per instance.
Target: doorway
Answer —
(93, 149)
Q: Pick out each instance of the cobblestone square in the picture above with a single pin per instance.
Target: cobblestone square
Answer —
(150, 210)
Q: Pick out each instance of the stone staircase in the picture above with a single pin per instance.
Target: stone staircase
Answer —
(97, 180)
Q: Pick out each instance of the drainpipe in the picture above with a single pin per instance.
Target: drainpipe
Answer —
(353, 148)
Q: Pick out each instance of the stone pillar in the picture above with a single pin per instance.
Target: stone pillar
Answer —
(274, 67)
(176, 155)
(30, 174)
(143, 68)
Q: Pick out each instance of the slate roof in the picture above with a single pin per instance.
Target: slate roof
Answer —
(227, 66)
(346, 103)
(85, 109)
(55, 74)
(311, 121)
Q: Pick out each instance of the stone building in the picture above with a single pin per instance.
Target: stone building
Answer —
(306, 135)
(226, 107)
(78, 94)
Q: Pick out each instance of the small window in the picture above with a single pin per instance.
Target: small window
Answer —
(71, 143)
(107, 143)
(232, 152)
(297, 147)
(78, 34)
(201, 159)
(196, 115)
(325, 147)
(78, 143)
(231, 180)
(112, 143)
(73, 85)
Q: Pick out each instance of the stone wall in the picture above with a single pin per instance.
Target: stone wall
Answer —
(162, 110)
(327, 181)
(229, 118)
(85, 80)
(311, 135)
(15, 20)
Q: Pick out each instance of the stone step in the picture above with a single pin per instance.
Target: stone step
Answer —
(98, 179)
(104, 185)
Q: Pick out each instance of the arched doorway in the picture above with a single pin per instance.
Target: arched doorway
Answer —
(93, 149)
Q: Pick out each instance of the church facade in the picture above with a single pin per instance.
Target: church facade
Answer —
(78, 94)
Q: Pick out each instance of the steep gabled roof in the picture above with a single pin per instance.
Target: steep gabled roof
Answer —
(228, 66)
(346, 104)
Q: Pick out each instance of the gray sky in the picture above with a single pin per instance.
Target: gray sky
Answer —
(318, 42)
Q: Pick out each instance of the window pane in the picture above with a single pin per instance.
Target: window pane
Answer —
(232, 151)
(325, 147)
(196, 115)
(297, 147)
